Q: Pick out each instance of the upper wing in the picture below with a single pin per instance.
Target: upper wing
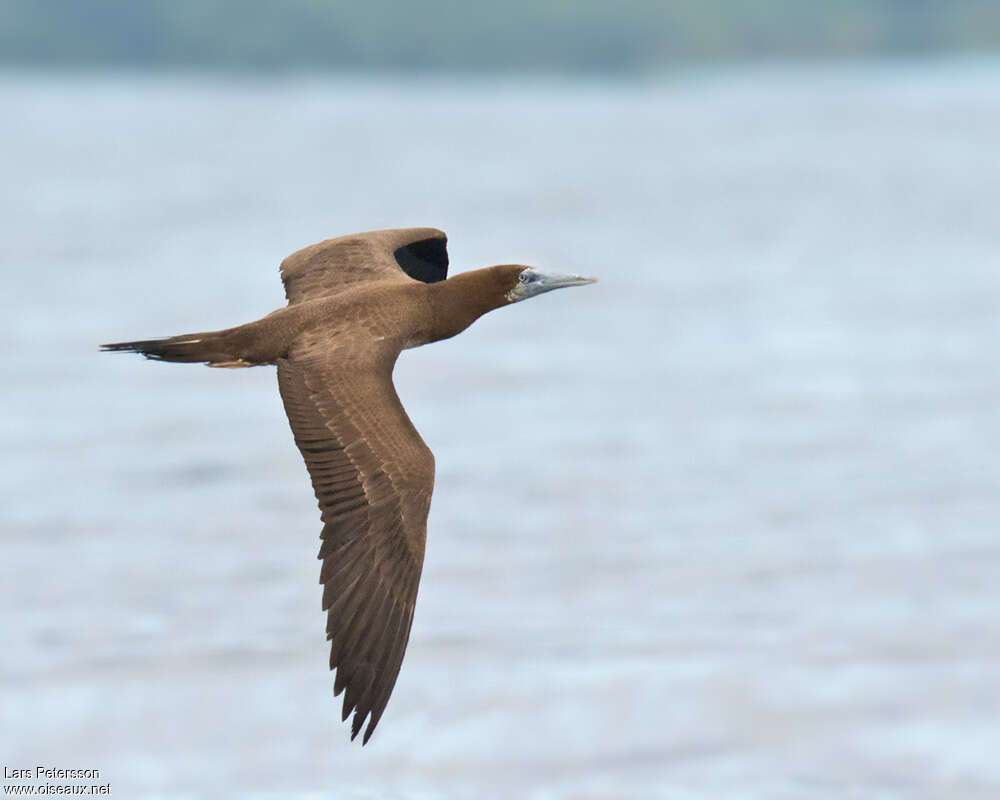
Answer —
(373, 476)
(336, 264)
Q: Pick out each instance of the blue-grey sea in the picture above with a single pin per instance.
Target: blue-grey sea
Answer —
(724, 525)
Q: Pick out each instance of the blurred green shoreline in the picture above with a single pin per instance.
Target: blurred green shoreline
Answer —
(629, 37)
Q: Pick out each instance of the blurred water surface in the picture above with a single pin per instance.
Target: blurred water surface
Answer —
(723, 525)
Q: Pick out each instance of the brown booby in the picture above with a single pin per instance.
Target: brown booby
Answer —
(354, 303)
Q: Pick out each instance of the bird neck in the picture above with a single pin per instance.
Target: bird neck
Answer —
(460, 300)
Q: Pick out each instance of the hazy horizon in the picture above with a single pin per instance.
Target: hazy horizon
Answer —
(636, 38)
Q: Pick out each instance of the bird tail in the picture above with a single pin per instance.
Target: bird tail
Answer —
(217, 349)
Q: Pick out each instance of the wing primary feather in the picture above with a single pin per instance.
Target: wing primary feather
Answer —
(394, 660)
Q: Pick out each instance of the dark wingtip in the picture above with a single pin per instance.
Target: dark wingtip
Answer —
(368, 732)
(356, 724)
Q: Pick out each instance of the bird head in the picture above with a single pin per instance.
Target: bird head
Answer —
(527, 282)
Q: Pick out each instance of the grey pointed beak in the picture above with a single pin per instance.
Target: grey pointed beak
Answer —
(561, 281)
(532, 282)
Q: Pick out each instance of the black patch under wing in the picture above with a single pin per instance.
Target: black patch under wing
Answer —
(426, 260)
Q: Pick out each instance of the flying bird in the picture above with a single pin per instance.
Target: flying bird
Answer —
(354, 304)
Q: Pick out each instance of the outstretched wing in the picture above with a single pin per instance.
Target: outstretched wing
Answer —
(330, 267)
(373, 476)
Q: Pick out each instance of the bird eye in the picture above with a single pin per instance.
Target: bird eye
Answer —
(523, 277)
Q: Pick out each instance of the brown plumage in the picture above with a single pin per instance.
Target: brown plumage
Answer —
(354, 304)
